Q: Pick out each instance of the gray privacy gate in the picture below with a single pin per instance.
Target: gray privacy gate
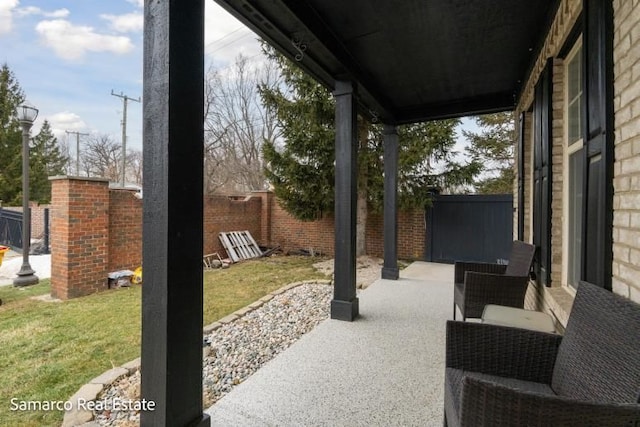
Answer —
(11, 228)
(469, 228)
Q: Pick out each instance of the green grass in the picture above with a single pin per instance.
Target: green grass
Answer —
(49, 350)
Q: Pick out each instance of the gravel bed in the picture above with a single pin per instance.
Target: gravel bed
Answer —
(237, 349)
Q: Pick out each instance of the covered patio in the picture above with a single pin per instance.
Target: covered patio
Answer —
(385, 369)
(393, 62)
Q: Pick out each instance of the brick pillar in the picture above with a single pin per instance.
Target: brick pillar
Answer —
(265, 216)
(79, 236)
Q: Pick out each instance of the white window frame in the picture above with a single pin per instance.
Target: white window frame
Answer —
(568, 150)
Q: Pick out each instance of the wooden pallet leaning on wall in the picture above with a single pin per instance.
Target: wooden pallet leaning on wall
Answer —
(240, 245)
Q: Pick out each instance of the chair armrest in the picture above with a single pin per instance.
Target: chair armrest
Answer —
(484, 403)
(500, 350)
(489, 288)
(461, 267)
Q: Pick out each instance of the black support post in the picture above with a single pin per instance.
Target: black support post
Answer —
(172, 220)
(390, 268)
(344, 305)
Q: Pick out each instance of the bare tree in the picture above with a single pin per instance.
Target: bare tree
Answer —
(236, 124)
(134, 166)
(101, 157)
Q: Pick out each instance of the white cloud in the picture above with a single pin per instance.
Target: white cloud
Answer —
(65, 121)
(130, 22)
(33, 10)
(73, 41)
(6, 15)
(139, 3)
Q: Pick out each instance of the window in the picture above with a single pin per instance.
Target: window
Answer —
(574, 161)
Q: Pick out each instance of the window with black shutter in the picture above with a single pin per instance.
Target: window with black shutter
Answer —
(598, 142)
(542, 176)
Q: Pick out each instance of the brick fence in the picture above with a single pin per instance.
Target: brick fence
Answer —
(96, 230)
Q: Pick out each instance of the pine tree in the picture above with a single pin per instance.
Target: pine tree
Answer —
(11, 96)
(493, 147)
(301, 166)
(45, 160)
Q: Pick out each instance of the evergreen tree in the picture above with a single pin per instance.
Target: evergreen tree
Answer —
(493, 147)
(11, 96)
(301, 166)
(45, 160)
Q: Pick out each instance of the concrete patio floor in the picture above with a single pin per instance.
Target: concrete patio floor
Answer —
(384, 369)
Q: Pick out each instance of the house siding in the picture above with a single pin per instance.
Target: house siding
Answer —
(626, 183)
(557, 299)
(557, 168)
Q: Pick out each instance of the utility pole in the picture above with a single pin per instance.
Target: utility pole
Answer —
(125, 98)
(77, 134)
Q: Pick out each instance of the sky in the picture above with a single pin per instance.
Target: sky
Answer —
(69, 55)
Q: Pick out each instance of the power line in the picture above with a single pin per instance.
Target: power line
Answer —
(125, 98)
(228, 43)
(77, 134)
(225, 36)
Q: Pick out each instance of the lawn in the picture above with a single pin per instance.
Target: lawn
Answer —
(48, 350)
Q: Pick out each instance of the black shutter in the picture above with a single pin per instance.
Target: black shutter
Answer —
(542, 176)
(521, 177)
(598, 137)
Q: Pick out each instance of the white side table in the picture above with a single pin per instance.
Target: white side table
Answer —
(518, 318)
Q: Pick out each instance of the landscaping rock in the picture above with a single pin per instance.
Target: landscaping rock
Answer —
(238, 347)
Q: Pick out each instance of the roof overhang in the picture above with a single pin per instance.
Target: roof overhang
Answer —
(412, 60)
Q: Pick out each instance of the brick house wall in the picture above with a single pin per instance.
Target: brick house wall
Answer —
(626, 183)
(557, 168)
(557, 299)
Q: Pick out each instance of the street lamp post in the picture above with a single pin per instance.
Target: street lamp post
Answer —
(26, 114)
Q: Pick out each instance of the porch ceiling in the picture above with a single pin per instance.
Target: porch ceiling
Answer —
(413, 60)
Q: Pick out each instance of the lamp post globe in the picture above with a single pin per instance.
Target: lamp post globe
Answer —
(26, 276)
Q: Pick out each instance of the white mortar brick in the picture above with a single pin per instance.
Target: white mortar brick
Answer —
(623, 151)
(621, 252)
(620, 287)
(629, 237)
(634, 294)
(621, 219)
(628, 273)
(630, 165)
(634, 256)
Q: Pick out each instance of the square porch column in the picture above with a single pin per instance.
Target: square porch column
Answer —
(173, 112)
(390, 268)
(344, 305)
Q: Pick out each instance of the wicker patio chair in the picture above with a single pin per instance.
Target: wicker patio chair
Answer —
(502, 376)
(479, 284)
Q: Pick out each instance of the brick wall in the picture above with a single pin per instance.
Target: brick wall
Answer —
(224, 213)
(125, 230)
(626, 201)
(292, 234)
(96, 230)
(79, 236)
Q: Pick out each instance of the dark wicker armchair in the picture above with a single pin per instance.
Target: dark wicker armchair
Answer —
(501, 376)
(479, 284)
